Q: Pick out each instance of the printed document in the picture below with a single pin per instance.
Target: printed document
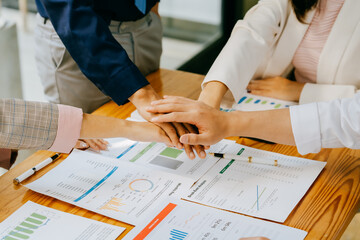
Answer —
(159, 156)
(36, 222)
(120, 190)
(250, 102)
(264, 191)
(184, 220)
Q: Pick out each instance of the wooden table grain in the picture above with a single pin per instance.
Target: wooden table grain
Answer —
(324, 212)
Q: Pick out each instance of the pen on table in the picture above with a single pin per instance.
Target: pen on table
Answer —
(248, 159)
(39, 166)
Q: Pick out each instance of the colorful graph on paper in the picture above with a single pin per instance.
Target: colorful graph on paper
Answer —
(250, 102)
(26, 228)
(141, 185)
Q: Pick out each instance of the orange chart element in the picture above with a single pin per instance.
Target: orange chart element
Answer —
(113, 205)
(141, 185)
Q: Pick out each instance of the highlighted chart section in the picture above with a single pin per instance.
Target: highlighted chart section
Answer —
(250, 102)
(141, 185)
(167, 158)
(27, 227)
(113, 205)
(177, 235)
(36, 222)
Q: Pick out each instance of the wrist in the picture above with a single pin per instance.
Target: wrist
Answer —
(213, 93)
(144, 96)
(238, 122)
(300, 87)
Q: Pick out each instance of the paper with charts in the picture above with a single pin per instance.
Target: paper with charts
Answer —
(120, 190)
(159, 156)
(250, 102)
(264, 191)
(36, 222)
(180, 220)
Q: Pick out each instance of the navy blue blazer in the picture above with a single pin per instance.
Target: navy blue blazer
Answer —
(82, 25)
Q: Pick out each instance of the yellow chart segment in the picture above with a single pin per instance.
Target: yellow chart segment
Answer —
(113, 205)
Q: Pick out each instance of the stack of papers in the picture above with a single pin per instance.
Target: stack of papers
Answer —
(135, 182)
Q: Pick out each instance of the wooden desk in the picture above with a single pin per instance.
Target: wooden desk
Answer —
(324, 212)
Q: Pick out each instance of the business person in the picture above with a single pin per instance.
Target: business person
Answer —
(53, 127)
(89, 52)
(278, 37)
(310, 126)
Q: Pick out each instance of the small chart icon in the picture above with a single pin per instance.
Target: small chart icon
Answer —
(141, 185)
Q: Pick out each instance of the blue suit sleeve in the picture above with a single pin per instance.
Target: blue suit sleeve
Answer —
(90, 43)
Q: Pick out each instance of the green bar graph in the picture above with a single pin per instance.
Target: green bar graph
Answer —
(25, 224)
(148, 147)
(25, 230)
(19, 235)
(33, 220)
(38, 216)
(171, 152)
(10, 238)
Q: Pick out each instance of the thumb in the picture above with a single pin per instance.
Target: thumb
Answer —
(194, 139)
(81, 145)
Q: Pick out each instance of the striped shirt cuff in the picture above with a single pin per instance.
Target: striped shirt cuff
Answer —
(69, 126)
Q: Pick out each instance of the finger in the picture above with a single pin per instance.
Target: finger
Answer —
(166, 140)
(260, 93)
(169, 107)
(170, 131)
(81, 145)
(172, 99)
(183, 117)
(198, 148)
(195, 139)
(254, 86)
(95, 144)
(103, 144)
(181, 131)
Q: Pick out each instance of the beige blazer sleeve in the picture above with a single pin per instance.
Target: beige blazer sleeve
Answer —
(25, 124)
(250, 43)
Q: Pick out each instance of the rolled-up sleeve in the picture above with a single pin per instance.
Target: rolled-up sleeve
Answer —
(68, 131)
(90, 43)
(332, 124)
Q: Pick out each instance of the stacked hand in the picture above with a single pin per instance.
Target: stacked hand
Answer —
(174, 129)
(212, 124)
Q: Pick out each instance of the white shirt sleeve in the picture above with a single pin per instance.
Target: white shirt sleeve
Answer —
(326, 124)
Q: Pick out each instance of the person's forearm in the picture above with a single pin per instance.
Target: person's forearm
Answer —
(106, 127)
(94, 126)
(213, 93)
(273, 125)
